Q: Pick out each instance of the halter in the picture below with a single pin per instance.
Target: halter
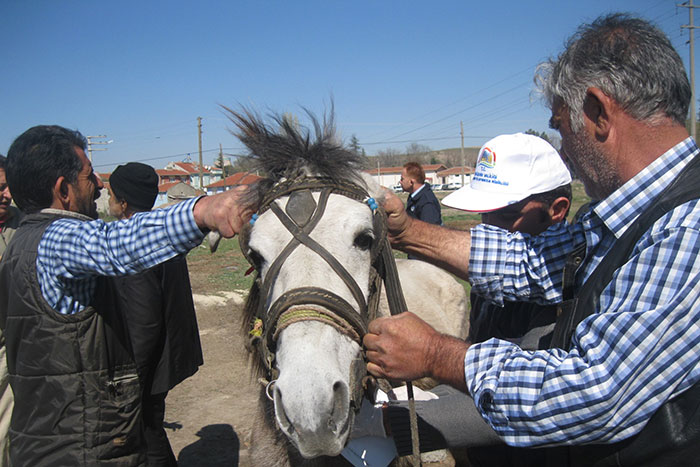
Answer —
(300, 217)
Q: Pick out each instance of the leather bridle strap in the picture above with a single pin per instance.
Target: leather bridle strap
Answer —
(303, 238)
(276, 265)
(303, 296)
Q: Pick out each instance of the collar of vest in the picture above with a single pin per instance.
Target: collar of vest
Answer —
(64, 213)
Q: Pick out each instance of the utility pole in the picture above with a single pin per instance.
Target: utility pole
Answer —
(199, 133)
(90, 143)
(461, 132)
(691, 28)
(221, 161)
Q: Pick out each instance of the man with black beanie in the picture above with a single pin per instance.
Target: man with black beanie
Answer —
(160, 313)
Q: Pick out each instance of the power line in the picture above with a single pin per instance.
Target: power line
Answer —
(173, 156)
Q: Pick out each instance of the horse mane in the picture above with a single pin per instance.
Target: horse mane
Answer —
(282, 149)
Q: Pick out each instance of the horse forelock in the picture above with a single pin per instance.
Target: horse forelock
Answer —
(282, 148)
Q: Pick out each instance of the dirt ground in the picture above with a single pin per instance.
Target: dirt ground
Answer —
(209, 416)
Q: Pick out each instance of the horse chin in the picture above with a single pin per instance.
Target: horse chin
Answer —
(315, 444)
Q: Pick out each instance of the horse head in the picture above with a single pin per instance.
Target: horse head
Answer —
(314, 241)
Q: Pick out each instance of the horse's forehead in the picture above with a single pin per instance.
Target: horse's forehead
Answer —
(340, 211)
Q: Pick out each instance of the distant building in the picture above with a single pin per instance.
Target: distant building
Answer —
(191, 171)
(390, 176)
(240, 178)
(178, 191)
(454, 175)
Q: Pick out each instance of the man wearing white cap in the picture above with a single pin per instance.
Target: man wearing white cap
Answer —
(520, 184)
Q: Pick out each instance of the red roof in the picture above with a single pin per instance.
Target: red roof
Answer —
(170, 173)
(239, 178)
(190, 168)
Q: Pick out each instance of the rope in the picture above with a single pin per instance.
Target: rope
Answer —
(310, 313)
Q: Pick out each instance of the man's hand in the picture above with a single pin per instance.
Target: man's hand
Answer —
(396, 218)
(224, 213)
(404, 347)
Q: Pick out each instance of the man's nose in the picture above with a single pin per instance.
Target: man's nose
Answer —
(98, 182)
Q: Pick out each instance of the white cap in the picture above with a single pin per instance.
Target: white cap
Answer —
(509, 169)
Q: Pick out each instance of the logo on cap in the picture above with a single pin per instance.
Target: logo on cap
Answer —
(487, 158)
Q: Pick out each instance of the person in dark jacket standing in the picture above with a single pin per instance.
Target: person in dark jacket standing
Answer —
(77, 391)
(422, 203)
(160, 313)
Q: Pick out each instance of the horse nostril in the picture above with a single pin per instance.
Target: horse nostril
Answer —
(282, 418)
(341, 405)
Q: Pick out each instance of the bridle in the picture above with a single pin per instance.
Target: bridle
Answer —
(300, 217)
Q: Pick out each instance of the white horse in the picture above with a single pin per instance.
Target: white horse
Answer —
(315, 350)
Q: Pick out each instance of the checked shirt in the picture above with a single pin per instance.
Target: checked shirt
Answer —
(72, 253)
(640, 348)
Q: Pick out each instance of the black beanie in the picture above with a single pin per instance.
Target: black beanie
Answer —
(136, 183)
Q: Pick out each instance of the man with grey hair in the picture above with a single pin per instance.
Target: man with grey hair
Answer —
(619, 384)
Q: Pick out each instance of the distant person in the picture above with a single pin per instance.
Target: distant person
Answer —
(422, 203)
(9, 215)
(77, 391)
(9, 221)
(160, 313)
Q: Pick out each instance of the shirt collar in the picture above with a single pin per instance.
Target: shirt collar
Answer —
(415, 193)
(619, 210)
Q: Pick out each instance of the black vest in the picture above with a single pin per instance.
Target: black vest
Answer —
(672, 435)
(77, 395)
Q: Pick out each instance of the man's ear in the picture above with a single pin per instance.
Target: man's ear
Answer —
(61, 192)
(599, 109)
(559, 209)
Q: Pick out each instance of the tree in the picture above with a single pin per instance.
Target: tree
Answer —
(390, 157)
(355, 145)
(418, 152)
(554, 140)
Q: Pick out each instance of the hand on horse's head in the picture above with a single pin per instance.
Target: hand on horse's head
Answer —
(397, 219)
(225, 212)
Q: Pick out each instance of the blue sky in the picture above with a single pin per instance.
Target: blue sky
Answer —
(399, 72)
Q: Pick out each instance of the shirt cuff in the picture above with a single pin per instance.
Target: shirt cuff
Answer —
(482, 365)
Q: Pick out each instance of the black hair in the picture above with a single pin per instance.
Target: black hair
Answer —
(36, 159)
(548, 197)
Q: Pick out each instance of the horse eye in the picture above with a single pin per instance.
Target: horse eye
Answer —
(364, 241)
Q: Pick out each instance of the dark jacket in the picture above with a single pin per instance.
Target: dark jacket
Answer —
(510, 322)
(77, 394)
(424, 206)
(163, 324)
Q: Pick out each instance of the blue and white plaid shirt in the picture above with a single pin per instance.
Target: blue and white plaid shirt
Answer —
(72, 253)
(641, 348)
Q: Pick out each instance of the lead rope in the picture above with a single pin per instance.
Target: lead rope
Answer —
(397, 304)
